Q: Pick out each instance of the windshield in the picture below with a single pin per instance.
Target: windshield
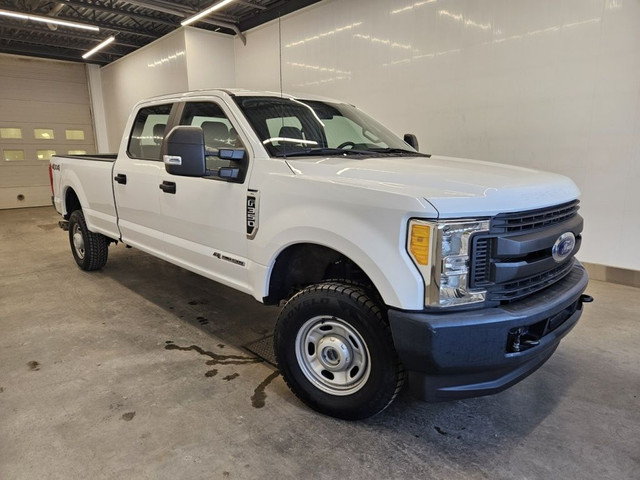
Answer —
(290, 127)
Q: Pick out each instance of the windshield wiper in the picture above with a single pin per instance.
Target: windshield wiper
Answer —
(325, 151)
(399, 150)
(370, 152)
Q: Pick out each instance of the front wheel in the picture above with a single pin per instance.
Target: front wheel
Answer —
(90, 250)
(335, 351)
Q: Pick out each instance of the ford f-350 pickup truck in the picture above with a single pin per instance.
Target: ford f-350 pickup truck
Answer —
(457, 274)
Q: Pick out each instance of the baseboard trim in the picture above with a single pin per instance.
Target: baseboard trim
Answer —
(605, 273)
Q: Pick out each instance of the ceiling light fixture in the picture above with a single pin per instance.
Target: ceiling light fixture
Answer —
(205, 12)
(99, 47)
(44, 19)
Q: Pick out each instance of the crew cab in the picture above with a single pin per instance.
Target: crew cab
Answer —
(455, 274)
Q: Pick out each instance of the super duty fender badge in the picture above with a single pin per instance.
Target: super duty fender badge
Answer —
(563, 247)
(253, 206)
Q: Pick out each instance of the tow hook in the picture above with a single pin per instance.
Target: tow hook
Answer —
(522, 339)
(584, 298)
(64, 225)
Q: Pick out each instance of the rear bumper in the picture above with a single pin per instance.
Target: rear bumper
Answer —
(455, 355)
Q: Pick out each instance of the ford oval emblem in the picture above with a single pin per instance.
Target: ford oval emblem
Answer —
(563, 247)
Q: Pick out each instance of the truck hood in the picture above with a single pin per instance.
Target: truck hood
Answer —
(456, 187)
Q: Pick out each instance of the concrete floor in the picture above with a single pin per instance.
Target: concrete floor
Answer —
(136, 372)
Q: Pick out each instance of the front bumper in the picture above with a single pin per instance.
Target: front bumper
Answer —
(453, 355)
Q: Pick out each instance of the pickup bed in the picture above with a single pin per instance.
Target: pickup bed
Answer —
(459, 275)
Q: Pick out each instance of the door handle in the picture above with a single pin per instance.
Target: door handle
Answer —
(168, 187)
(121, 178)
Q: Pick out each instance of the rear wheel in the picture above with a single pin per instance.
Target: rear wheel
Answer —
(90, 250)
(335, 351)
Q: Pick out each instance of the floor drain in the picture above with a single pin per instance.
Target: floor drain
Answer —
(263, 348)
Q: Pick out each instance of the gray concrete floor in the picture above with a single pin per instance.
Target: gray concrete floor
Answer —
(137, 371)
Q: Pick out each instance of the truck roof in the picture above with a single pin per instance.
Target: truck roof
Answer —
(240, 92)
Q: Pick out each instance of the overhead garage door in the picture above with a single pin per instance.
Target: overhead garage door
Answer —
(44, 110)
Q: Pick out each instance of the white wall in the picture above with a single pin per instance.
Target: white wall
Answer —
(210, 59)
(258, 62)
(186, 59)
(542, 83)
(94, 77)
(156, 69)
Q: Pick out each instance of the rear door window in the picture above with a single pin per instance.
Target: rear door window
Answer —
(148, 132)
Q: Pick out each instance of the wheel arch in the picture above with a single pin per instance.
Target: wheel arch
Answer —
(393, 279)
(73, 193)
(301, 264)
(71, 202)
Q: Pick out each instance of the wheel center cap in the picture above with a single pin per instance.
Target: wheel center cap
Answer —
(78, 242)
(334, 353)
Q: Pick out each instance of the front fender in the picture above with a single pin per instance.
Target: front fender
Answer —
(373, 238)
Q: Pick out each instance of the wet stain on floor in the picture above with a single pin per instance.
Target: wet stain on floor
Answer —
(127, 417)
(439, 430)
(259, 394)
(198, 302)
(33, 366)
(216, 359)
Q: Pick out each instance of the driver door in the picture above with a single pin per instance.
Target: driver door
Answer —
(205, 217)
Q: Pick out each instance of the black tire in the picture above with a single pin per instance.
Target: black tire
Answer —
(90, 250)
(334, 349)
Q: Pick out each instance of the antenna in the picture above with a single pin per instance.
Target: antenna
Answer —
(280, 50)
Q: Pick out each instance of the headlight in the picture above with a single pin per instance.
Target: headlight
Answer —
(440, 250)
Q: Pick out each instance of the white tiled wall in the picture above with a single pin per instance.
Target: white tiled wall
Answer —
(550, 84)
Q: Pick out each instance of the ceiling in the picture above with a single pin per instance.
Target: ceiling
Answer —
(134, 23)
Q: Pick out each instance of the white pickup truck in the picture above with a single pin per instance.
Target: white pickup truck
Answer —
(457, 274)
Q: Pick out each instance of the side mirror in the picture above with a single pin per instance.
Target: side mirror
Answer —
(411, 139)
(184, 147)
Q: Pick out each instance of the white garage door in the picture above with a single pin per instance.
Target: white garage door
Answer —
(44, 110)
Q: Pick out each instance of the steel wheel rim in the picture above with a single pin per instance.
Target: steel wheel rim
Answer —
(332, 355)
(78, 241)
